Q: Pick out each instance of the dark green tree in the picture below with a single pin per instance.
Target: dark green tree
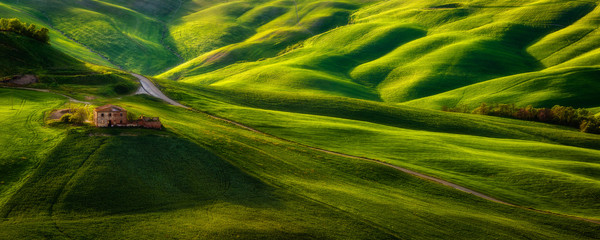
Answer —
(14, 25)
(42, 35)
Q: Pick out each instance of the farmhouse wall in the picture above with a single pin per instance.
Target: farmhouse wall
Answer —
(107, 118)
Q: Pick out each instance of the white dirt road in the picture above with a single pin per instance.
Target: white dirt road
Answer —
(147, 87)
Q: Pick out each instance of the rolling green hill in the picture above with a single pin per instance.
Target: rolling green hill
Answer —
(206, 178)
(59, 41)
(399, 51)
(393, 51)
(122, 36)
(294, 106)
(56, 70)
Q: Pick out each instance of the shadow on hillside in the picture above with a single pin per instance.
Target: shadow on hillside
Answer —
(90, 175)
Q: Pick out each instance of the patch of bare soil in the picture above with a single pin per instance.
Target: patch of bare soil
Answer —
(99, 135)
(129, 134)
(59, 113)
(21, 80)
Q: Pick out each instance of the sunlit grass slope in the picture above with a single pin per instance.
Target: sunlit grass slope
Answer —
(570, 86)
(24, 138)
(230, 32)
(530, 164)
(127, 38)
(394, 51)
(59, 41)
(58, 71)
(20, 54)
(399, 51)
(203, 178)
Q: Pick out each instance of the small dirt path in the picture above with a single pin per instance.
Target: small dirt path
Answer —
(48, 91)
(149, 88)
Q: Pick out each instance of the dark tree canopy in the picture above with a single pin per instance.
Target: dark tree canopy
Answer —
(561, 115)
(24, 29)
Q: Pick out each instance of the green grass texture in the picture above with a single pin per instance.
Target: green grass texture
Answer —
(535, 165)
(423, 53)
(365, 78)
(203, 178)
(58, 71)
(420, 53)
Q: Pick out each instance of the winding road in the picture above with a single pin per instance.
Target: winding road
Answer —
(147, 87)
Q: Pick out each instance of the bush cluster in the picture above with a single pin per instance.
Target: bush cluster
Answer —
(76, 116)
(24, 29)
(561, 115)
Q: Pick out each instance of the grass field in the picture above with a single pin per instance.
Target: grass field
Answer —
(59, 41)
(204, 178)
(425, 54)
(24, 137)
(422, 52)
(535, 165)
(58, 71)
(364, 78)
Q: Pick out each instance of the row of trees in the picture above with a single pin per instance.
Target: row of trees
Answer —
(561, 115)
(28, 30)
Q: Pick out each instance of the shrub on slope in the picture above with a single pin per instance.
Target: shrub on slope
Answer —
(28, 30)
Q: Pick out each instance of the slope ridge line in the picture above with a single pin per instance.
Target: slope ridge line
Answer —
(155, 92)
(405, 170)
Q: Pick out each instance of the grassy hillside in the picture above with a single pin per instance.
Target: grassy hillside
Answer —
(536, 165)
(357, 77)
(125, 37)
(58, 40)
(399, 51)
(21, 55)
(573, 86)
(24, 138)
(393, 51)
(205, 178)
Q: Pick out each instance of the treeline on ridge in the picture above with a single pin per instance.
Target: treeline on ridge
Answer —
(561, 115)
(24, 29)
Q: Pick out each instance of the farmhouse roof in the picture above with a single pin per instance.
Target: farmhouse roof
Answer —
(109, 108)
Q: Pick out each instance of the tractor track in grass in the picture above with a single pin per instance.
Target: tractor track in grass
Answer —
(61, 190)
(31, 127)
(17, 113)
(154, 91)
(147, 87)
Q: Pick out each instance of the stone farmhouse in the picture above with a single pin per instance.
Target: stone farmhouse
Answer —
(109, 115)
(115, 116)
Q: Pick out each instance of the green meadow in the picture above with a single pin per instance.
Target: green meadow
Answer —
(361, 78)
(205, 178)
(424, 54)
(531, 164)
